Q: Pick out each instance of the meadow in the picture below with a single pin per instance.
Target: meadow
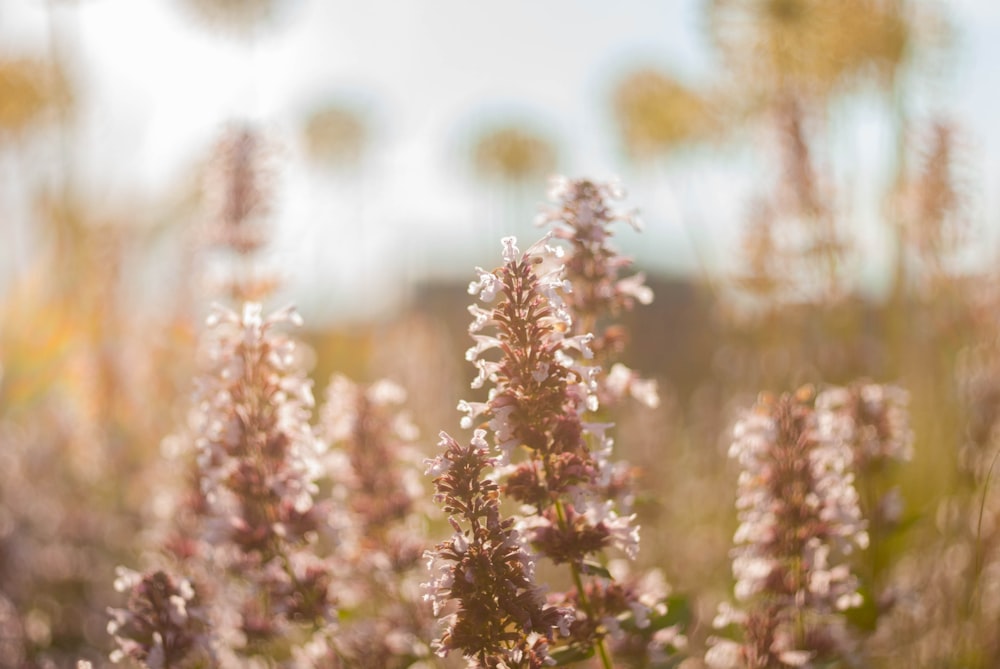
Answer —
(564, 459)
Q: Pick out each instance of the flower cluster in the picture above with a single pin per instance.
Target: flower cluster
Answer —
(258, 461)
(257, 453)
(540, 395)
(554, 456)
(250, 531)
(502, 619)
(363, 425)
(879, 421)
(799, 520)
(583, 216)
(164, 624)
(374, 476)
(238, 197)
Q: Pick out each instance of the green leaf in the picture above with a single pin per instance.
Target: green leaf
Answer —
(569, 654)
(596, 568)
(678, 613)
(864, 617)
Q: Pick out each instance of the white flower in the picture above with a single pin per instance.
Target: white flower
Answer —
(472, 410)
(487, 286)
(126, 579)
(481, 317)
(510, 250)
(483, 343)
(635, 286)
(724, 654)
(795, 658)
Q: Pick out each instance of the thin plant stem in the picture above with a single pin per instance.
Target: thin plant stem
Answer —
(602, 650)
(979, 530)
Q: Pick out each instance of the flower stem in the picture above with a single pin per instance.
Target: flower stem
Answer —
(602, 650)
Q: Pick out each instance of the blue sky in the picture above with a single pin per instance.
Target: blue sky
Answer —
(159, 88)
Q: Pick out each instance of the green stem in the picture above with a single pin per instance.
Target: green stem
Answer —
(601, 648)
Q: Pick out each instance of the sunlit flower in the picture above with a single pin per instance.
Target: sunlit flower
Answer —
(799, 519)
(485, 570)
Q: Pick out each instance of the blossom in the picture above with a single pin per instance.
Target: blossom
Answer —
(799, 519)
(163, 623)
(875, 419)
(584, 215)
(257, 516)
(551, 458)
(372, 473)
(485, 569)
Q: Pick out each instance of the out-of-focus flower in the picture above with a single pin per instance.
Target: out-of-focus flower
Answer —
(163, 625)
(252, 532)
(239, 18)
(238, 189)
(934, 209)
(584, 214)
(238, 193)
(799, 520)
(878, 422)
(814, 46)
(373, 471)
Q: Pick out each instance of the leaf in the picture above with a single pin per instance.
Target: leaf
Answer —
(864, 617)
(596, 569)
(569, 654)
(678, 613)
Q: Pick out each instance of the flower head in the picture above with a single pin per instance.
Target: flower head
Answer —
(799, 519)
(485, 569)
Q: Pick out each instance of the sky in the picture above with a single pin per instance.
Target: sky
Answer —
(159, 88)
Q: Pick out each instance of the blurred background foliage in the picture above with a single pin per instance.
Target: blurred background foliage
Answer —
(103, 293)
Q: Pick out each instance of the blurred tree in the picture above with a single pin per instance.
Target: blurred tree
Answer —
(813, 46)
(510, 158)
(242, 18)
(513, 154)
(656, 113)
(30, 89)
(335, 135)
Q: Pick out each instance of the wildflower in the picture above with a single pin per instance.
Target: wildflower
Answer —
(257, 452)
(256, 523)
(242, 19)
(378, 554)
(656, 113)
(163, 624)
(501, 617)
(238, 193)
(538, 399)
(878, 421)
(365, 424)
(552, 459)
(799, 519)
(584, 215)
(512, 153)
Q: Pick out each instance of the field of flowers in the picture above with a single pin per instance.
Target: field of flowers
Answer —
(563, 461)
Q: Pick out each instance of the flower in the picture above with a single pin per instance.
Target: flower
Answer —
(551, 458)
(484, 569)
(163, 624)
(583, 216)
(256, 522)
(799, 519)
